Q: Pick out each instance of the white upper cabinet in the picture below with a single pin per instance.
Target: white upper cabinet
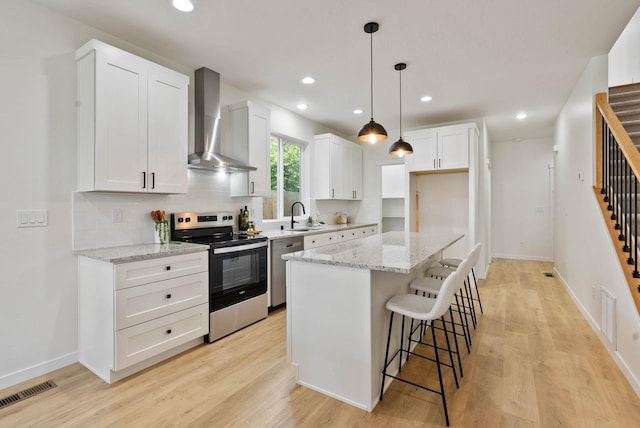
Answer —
(336, 170)
(250, 130)
(392, 181)
(444, 148)
(132, 123)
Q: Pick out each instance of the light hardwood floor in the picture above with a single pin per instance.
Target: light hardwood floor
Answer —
(535, 362)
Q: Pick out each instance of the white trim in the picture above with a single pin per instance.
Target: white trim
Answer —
(520, 257)
(29, 373)
(620, 362)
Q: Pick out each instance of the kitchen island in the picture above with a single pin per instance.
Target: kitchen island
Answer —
(336, 316)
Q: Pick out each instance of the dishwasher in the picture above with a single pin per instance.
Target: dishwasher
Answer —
(278, 267)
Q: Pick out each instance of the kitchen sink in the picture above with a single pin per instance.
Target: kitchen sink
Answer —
(304, 229)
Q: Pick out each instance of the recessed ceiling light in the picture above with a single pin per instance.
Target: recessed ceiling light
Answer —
(308, 80)
(358, 111)
(302, 106)
(521, 116)
(426, 99)
(183, 5)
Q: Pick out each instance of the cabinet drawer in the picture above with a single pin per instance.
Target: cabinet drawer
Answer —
(146, 271)
(312, 241)
(368, 231)
(142, 341)
(346, 235)
(148, 301)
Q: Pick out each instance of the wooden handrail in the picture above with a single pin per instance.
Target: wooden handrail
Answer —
(604, 111)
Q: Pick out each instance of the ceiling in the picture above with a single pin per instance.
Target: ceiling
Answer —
(476, 58)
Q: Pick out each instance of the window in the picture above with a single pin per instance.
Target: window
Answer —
(286, 178)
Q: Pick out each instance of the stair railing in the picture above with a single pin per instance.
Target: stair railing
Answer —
(617, 172)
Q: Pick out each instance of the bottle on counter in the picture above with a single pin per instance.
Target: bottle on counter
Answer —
(243, 220)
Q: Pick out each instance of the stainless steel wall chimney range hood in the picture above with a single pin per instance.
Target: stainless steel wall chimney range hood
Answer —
(207, 126)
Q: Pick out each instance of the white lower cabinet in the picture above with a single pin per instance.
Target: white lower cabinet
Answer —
(146, 340)
(135, 314)
(320, 239)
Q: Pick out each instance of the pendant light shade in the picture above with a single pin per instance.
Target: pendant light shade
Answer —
(400, 148)
(372, 132)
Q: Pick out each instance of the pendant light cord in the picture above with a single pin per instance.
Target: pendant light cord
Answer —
(371, 69)
(400, 71)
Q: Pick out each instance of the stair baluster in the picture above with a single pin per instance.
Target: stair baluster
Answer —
(624, 205)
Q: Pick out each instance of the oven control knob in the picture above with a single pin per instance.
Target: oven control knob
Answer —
(187, 219)
(169, 331)
(180, 219)
(168, 296)
(168, 268)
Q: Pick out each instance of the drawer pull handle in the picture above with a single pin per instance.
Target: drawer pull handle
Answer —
(168, 296)
(168, 267)
(169, 331)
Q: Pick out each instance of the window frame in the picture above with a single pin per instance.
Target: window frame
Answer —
(303, 145)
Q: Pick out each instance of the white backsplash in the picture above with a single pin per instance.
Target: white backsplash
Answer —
(93, 225)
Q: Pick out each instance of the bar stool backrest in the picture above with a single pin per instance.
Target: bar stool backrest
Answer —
(450, 286)
(463, 271)
(474, 255)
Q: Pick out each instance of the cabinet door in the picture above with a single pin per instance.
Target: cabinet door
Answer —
(259, 133)
(250, 133)
(356, 171)
(338, 173)
(425, 151)
(453, 148)
(392, 181)
(321, 187)
(121, 122)
(168, 134)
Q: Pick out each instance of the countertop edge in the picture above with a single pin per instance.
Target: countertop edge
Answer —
(282, 234)
(305, 256)
(133, 253)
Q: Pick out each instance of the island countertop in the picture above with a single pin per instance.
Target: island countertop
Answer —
(399, 252)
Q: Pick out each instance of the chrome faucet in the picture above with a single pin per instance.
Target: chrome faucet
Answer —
(293, 205)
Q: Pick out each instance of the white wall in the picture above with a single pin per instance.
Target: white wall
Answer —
(585, 257)
(624, 61)
(38, 309)
(522, 174)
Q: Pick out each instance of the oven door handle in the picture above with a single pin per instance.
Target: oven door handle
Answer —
(237, 248)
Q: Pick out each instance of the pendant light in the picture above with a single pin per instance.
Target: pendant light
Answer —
(400, 148)
(372, 132)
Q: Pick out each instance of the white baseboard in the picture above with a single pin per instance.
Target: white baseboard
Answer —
(23, 375)
(620, 362)
(519, 257)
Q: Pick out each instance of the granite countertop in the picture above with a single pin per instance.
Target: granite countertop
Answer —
(132, 253)
(325, 228)
(391, 251)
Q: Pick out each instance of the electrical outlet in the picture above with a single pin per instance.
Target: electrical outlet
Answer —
(116, 215)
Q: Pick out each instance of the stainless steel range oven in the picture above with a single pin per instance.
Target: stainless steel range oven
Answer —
(237, 269)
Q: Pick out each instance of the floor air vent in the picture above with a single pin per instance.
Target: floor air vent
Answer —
(548, 274)
(27, 393)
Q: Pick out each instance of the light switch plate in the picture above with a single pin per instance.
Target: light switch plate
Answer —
(32, 218)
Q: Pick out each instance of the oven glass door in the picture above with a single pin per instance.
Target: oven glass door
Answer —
(237, 274)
